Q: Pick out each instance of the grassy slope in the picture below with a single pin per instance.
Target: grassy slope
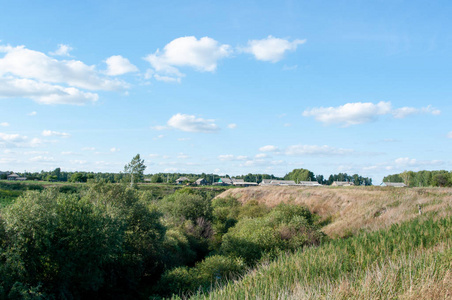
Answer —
(394, 254)
(409, 261)
(351, 209)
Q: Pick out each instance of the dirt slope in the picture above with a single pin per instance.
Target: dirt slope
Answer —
(353, 208)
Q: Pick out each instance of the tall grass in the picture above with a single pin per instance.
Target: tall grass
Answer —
(410, 260)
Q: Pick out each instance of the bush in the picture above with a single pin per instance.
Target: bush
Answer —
(210, 272)
(59, 241)
(186, 206)
(286, 227)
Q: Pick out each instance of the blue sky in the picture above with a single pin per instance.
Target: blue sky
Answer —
(230, 88)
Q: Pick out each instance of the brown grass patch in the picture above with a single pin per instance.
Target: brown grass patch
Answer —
(354, 208)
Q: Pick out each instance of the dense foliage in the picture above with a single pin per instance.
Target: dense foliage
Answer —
(109, 240)
(424, 178)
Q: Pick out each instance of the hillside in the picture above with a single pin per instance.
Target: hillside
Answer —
(350, 209)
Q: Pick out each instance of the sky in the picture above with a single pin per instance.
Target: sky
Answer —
(226, 87)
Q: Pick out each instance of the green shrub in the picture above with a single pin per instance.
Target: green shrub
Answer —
(206, 274)
(186, 206)
(59, 241)
(286, 227)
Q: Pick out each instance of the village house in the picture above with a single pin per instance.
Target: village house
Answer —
(394, 184)
(201, 181)
(225, 181)
(14, 177)
(342, 183)
(181, 180)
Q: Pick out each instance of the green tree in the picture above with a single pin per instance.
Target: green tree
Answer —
(300, 175)
(135, 168)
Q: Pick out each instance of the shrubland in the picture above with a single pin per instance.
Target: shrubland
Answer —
(114, 241)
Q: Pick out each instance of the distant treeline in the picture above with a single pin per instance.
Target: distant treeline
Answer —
(295, 175)
(439, 178)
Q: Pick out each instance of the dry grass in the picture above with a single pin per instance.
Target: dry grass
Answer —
(351, 209)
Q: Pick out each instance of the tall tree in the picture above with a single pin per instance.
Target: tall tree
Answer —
(135, 168)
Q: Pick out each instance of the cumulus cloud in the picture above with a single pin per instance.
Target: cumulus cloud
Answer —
(55, 133)
(202, 55)
(316, 150)
(268, 148)
(359, 113)
(231, 157)
(271, 49)
(44, 93)
(42, 159)
(114, 149)
(63, 50)
(403, 112)
(17, 141)
(118, 65)
(33, 113)
(191, 123)
(27, 73)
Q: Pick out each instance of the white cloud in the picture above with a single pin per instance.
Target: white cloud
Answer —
(63, 50)
(449, 135)
(4, 124)
(403, 112)
(271, 49)
(88, 149)
(191, 123)
(78, 162)
(42, 159)
(350, 113)
(17, 141)
(182, 156)
(69, 153)
(268, 148)
(154, 155)
(316, 150)
(183, 139)
(231, 157)
(260, 155)
(202, 55)
(32, 74)
(167, 78)
(232, 126)
(114, 149)
(159, 127)
(33, 113)
(404, 162)
(44, 93)
(226, 157)
(359, 113)
(118, 65)
(55, 133)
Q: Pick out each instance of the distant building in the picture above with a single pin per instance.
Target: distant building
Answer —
(394, 184)
(201, 181)
(225, 181)
(245, 184)
(181, 180)
(14, 177)
(342, 183)
(309, 183)
(275, 182)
